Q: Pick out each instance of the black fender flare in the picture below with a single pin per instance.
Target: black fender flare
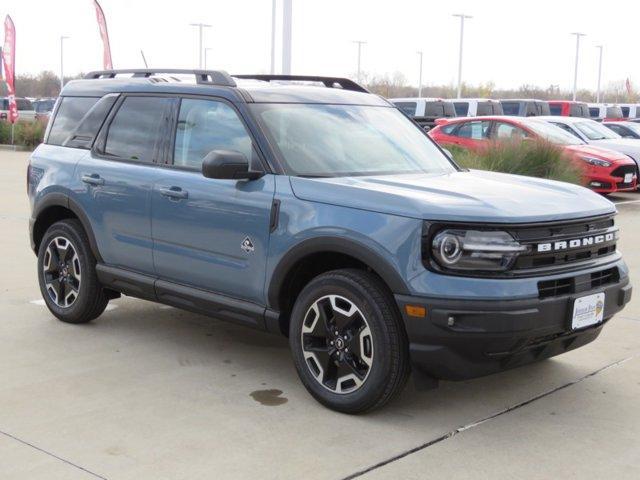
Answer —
(333, 244)
(59, 199)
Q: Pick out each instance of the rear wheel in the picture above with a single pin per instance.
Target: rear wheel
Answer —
(347, 341)
(67, 275)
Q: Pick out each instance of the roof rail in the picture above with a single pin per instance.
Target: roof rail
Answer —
(203, 77)
(329, 82)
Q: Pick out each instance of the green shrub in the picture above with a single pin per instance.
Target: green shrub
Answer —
(26, 134)
(533, 158)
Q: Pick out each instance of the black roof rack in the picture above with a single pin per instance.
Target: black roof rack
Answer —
(329, 82)
(203, 77)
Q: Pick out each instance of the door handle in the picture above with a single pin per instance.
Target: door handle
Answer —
(93, 179)
(174, 192)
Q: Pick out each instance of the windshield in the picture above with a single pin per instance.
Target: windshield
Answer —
(634, 127)
(343, 140)
(553, 133)
(595, 131)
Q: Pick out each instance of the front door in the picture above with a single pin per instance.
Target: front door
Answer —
(208, 233)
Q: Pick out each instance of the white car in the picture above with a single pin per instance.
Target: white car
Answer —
(477, 107)
(630, 110)
(602, 111)
(425, 111)
(594, 133)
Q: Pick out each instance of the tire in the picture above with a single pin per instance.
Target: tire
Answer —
(368, 362)
(81, 296)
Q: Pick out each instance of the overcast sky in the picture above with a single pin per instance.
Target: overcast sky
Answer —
(507, 42)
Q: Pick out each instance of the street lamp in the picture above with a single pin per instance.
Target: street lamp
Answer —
(600, 47)
(420, 76)
(462, 17)
(273, 37)
(575, 73)
(62, 39)
(287, 20)
(206, 56)
(200, 27)
(360, 43)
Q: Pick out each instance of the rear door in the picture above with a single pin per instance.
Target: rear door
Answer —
(208, 233)
(117, 176)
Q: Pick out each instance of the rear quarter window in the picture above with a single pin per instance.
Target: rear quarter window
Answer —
(408, 108)
(462, 108)
(69, 114)
(594, 112)
(509, 108)
(434, 109)
(555, 110)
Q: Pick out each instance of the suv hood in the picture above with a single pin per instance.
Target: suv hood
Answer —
(628, 146)
(473, 196)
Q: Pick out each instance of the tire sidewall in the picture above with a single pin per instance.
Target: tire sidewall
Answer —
(376, 381)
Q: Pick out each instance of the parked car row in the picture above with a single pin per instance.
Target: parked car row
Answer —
(609, 163)
(29, 110)
(426, 110)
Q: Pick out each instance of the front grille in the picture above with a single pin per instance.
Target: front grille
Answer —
(623, 170)
(577, 283)
(557, 234)
(579, 237)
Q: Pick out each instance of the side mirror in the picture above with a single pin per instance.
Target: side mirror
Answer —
(448, 153)
(228, 165)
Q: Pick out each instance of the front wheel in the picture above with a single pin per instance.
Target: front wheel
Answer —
(347, 341)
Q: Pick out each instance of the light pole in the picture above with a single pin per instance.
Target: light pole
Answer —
(360, 43)
(462, 17)
(575, 73)
(287, 19)
(200, 27)
(62, 39)
(600, 47)
(420, 76)
(206, 56)
(273, 37)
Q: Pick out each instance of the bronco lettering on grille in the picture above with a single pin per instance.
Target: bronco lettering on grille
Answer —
(576, 243)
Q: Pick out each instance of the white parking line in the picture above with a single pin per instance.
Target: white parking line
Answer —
(40, 303)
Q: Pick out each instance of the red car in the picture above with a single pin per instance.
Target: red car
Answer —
(604, 170)
(567, 108)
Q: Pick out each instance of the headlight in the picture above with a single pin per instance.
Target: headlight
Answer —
(466, 250)
(596, 161)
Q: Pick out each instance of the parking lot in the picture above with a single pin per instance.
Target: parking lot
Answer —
(148, 391)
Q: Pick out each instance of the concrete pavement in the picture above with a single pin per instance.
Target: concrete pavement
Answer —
(151, 392)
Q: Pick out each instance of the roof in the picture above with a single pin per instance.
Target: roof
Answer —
(522, 100)
(420, 99)
(559, 119)
(260, 89)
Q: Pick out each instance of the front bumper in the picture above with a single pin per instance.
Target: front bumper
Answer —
(462, 339)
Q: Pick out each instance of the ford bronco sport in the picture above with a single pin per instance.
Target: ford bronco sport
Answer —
(319, 212)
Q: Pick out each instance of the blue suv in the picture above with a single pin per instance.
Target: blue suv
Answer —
(309, 207)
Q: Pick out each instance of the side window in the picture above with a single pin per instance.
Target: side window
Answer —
(205, 125)
(474, 130)
(568, 129)
(408, 108)
(448, 129)
(616, 128)
(505, 131)
(434, 109)
(594, 112)
(462, 108)
(510, 108)
(135, 132)
(555, 110)
(70, 112)
(625, 112)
